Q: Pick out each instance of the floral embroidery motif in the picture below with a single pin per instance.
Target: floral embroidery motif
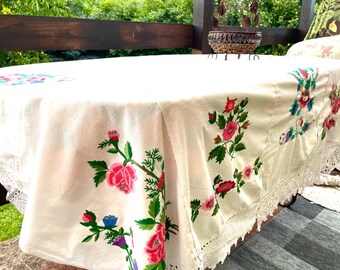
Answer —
(123, 177)
(300, 128)
(229, 141)
(306, 84)
(221, 188)
(18, 79)
(304, 100)
(330, 122)
(113, 236)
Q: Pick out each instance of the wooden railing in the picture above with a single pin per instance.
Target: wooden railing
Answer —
(55, 33)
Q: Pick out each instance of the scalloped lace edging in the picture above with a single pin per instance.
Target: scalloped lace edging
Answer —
(8, 180)
(331, 158)
(217, 250)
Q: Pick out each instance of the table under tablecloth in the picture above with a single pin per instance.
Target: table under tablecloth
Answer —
(161, 161)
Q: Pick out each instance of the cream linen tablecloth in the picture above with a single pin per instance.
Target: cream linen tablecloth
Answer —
(165, 160)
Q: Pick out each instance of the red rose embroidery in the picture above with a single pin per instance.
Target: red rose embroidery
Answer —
(87, 218)
(209, 203)
(161, 181)
(336, 106)
(304, 73)
(229, 130)
(123, 177)
(225, 187)
(328, 123)
(304, 99)
(113, 135)
(155, 247)
(230, 105)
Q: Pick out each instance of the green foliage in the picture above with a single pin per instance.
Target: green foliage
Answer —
(275, 13)
(140, 52)
(12, 58)
(10, 222)
(117, 9)
(273, 49)
(170, 11)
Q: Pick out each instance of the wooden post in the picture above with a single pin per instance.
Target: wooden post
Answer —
(202, 24)
(306, 15)
(3, 193)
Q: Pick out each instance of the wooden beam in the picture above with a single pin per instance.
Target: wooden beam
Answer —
(3, 193)
(54, 33)
(202, 24)
(306, 15)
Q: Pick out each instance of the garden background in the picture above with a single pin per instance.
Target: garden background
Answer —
(274, 13)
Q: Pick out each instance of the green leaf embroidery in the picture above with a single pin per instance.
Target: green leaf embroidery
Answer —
(128, 150)
(87, 238)
(146, 224)
(99, 177)
(195, 204)
(215, 210)
(194, 214)
(105, 143)
(238, 138)
(96, 236)
(152, 266)
(213, 153)
(240, 147)
(98, 165)
(257, 161)
(222, 122)
(112, 151)
(243, 116)
(221, 155)
(162, 217)
(154, 207)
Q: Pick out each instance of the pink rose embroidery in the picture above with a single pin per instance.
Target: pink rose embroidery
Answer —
(326, 51)
(155, 247)
(229, 130)
(123, 177)
(247, 172)
(300, 122)
(209, 203)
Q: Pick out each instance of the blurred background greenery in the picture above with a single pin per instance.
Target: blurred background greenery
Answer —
(274, 13)
(10, 222)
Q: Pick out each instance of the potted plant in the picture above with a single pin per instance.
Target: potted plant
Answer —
(242, 41)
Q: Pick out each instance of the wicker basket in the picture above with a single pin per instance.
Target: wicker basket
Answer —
(234, 42)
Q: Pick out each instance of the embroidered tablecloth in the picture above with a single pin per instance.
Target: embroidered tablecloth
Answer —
(161, 162)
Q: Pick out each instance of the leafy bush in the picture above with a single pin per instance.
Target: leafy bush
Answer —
(276, 13)
(12, 58)
(10, 222)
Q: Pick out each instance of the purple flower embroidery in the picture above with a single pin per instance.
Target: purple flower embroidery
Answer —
(120, 242)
